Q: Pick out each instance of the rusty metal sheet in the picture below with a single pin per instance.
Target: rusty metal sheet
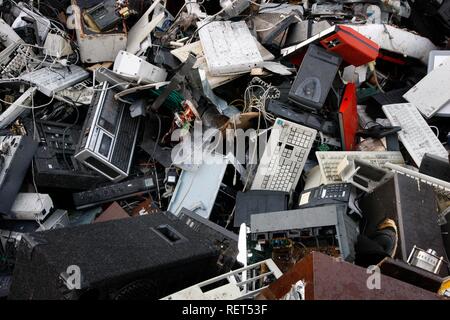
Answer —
(328, 278)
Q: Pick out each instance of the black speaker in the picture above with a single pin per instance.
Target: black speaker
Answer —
(413, 207)
(146, 257)
(315, 78)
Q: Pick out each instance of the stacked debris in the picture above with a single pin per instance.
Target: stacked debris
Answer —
(224, 149)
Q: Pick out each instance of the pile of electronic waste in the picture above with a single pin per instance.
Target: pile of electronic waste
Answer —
(232, 149)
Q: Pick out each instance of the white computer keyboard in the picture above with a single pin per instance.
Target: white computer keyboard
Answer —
(431, 93)
(416, 134)
(80, 93)
(18, 63)
(229, 47)
(330, 160)
(51, 80)
(284, 156)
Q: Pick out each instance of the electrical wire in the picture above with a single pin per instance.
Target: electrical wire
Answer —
(197, 30)
(158, 137)
(258, 4)
(30, 107)
(437, 130)
(258, 102)
(35, 137)
(273, 7)
(179, 12)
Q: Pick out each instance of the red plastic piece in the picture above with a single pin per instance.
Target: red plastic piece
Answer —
(352, 46)
(348, 118)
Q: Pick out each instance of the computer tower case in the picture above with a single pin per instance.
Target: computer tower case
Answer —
(413, 207)
(329, 225)
(108, 136)
(54, 162)
(314, 78)
(145, 257)
(16, 154)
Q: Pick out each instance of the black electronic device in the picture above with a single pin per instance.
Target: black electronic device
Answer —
(308, 119)
(318, 227)
(16, 154)
(151, 146)
(435, 166)
(378, 132)
(281, 27)
(315, 78)
(444, 14)
(108, 136)
(103, 74)
(431, 19)
(337, 193)
(116, 191)
(144, 257)
(28, 32)
(412, 206)
(258, 201)
(178, 78)
(103, 15)
(54, 162)
(171, 177)
(5, 284)
(86, 4)
(376, 101)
